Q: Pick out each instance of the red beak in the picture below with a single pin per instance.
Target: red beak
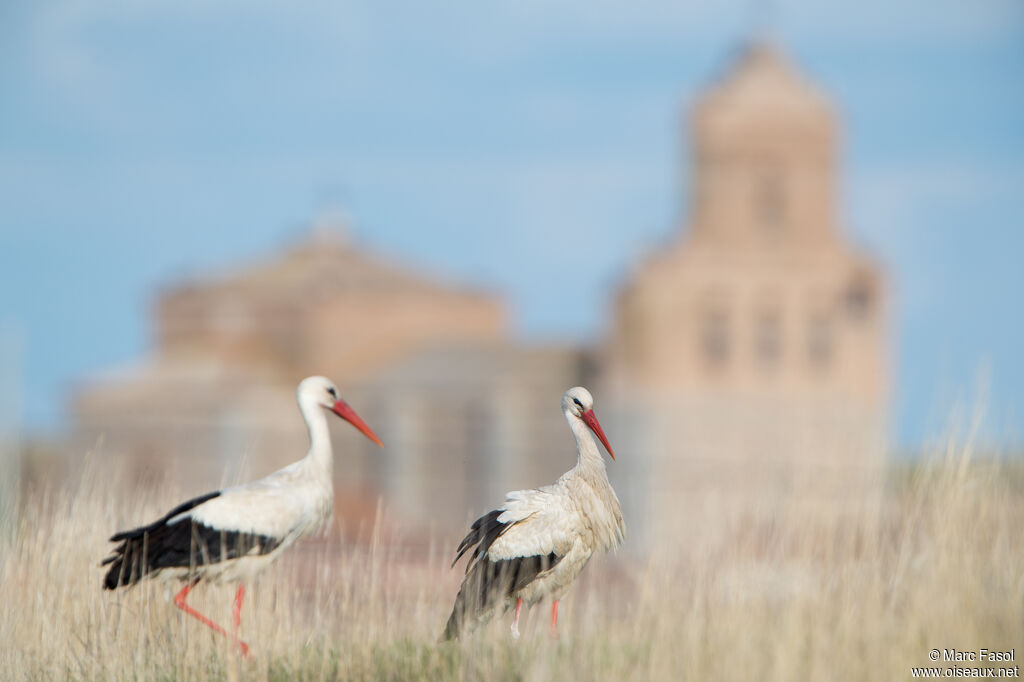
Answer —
(590, 419)
(342, 409)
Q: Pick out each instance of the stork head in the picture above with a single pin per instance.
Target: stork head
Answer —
(578, 403)
(322, 391)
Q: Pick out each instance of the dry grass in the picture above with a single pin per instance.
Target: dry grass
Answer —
(861, 596)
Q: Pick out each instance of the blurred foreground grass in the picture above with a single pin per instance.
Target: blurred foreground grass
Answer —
(865, 594)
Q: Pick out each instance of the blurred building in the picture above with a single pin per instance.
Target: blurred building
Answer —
(749, 353)
(427, 364)
(324, 307)
(746, 359)
(466, 423)
(231, 348)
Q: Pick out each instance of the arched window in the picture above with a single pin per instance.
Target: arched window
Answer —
(820, 341)
(859, 298)
(714, 336)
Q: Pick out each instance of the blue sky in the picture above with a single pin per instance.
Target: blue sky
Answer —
(502, 144)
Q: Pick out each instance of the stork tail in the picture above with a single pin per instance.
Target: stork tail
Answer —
(492, 584)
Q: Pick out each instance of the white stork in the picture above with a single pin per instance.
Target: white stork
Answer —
(536, 544)
(230, 534)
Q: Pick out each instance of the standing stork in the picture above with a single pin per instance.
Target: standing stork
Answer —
(536, 544)
(231, 534)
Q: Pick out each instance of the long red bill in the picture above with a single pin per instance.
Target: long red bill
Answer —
(591, 420)
(342, 409)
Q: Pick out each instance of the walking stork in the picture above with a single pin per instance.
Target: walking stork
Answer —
(536, 544)
(231, 534)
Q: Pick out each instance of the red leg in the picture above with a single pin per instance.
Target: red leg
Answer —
(179, 601)
(237, 613)
(554, 619)
(237, 617)
(515, 619)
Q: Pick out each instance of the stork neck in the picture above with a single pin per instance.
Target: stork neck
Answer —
(586, 446)
(319, 436)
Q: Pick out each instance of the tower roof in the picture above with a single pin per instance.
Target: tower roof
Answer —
(762, 92)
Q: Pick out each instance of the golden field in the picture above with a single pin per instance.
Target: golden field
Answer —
(938, 563)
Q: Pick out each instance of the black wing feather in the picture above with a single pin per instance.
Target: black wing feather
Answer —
(184, 543)
(181, 508)
(488, 583)
(482, 533)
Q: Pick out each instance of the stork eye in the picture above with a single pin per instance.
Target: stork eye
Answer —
(577, 401)
(333, 392)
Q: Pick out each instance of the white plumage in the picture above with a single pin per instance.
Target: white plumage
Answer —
(230, 534)
(535, 545)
